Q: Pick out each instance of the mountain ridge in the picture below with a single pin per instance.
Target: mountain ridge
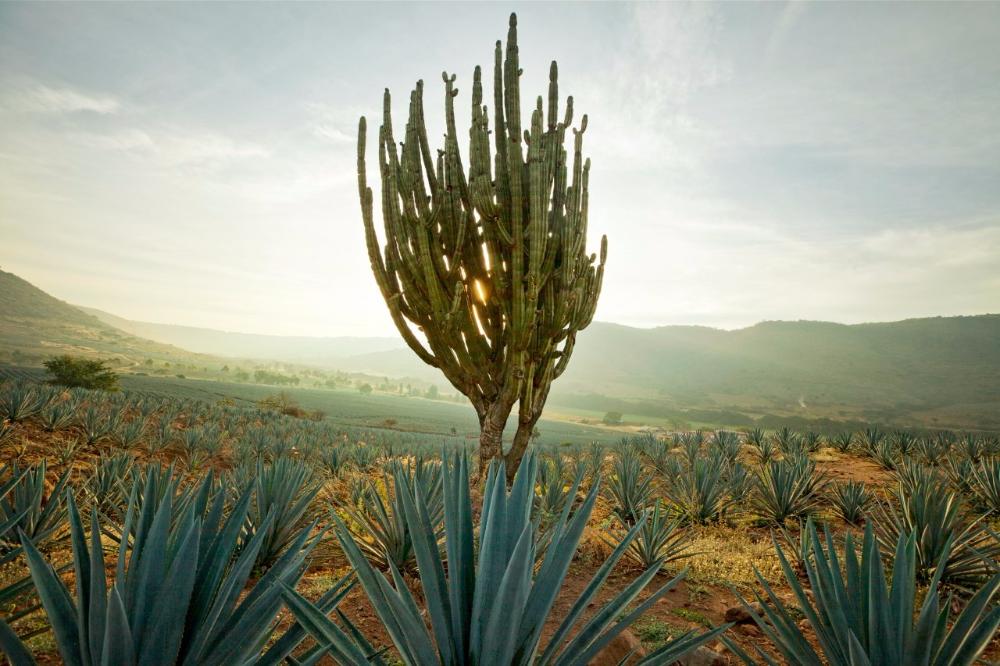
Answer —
(922, 369)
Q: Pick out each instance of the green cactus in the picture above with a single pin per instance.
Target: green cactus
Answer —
(486, 272)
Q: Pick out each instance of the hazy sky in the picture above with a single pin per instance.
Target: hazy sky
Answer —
(195, 164)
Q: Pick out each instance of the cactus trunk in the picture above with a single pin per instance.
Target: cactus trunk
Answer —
(485, 270)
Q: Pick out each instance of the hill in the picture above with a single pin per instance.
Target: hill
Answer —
(292, 349)
(944, 368)
(35, 326)
(942, 371)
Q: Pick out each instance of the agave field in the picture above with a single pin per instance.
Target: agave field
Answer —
(138, 528)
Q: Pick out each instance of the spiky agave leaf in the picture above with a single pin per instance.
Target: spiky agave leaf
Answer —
(960, 552)
(490, 609)
(178, 595)
(285, 489)
(861, 617)
(629, 486)
(788, 489)
(850, 501)
(701, 494)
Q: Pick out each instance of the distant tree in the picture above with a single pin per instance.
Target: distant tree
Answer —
(225, 368)
(432, 392)
(365, 389)
(81, 372)
(612, 418)
(149, 361)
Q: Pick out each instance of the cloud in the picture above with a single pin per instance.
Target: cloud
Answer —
(172, 147)
(45, 99)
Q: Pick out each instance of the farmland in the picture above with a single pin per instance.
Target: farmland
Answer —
(710, 502)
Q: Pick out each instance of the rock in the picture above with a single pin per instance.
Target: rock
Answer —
(620, 647)
(740, 615)
(750, 630)
(703, 656)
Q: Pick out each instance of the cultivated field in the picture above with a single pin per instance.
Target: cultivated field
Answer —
(314, 503)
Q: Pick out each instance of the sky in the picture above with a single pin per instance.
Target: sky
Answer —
(195, 163)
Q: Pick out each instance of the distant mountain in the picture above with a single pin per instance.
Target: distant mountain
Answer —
(917, 366)
(35, 326)
(933, 371)
(293, 349)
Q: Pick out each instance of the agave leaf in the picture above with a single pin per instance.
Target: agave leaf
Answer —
(118, 648)
(13, 648)
(341, 646)
(57, 601)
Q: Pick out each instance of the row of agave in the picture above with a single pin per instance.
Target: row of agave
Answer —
(197, 430)
(190, 585)
(183, 589)
(685, 485)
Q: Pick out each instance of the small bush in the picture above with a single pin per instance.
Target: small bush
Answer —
(82, 373)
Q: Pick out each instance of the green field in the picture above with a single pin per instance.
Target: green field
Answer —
(349, 408)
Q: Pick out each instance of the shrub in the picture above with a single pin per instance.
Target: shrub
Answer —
(81, 372)
(612, 418)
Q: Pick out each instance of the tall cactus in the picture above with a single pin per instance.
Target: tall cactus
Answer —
(491, 266)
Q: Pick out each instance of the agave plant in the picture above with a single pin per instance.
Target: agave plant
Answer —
(885, 454)
(595, 459)
(552, 493)
(629, 487)
(384, 535)
(333, 460)
(933, 449)
(960, 474)
(691, 448)
(284, 489)
(788, 489)
(964, 550)
(800, 545)
(765, 451)
(6, 431)
(870, 438)
(94, 424)
(843, 441)
(972, 447)
(851, 501)
(727, 444)
(177, 596)
(903, 441)
(21, 400)
(129, 433)
(491, 609)
(911, 474)
(57, 416)
(985, 485)
(812, 442)
(739, 482)
(861, 617)
(109, 485)
(789, 443)
(702, 494)
(660, 539)
(41, 514)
